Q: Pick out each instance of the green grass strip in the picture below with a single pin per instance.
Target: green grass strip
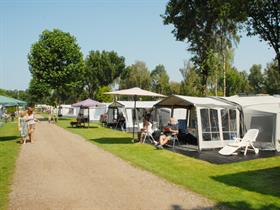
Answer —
(251, 184)
(9, 149)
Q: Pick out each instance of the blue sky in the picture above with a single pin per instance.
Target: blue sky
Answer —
(132, 28)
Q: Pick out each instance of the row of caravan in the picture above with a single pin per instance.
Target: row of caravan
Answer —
(214, 121)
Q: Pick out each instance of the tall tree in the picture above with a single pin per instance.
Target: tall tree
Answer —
(55, 59)
(160, 80)
(136, 75)
(102, 68)
(237, 82)
(272, 78)
(199, 23)
(38, 92)
(190, 85)
(100, 96)
(264, 21)
(174, 88)
(256, 79)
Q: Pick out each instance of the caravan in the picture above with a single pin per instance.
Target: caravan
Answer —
(65, 110)
(263, 113)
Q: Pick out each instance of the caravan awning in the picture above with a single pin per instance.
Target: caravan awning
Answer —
(259, 103)
(179, 101)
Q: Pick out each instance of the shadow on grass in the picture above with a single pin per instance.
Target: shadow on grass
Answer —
(82, 127)
(240, 205)
(8, 138)
(66, 119)
(114, 140)
(265, 181)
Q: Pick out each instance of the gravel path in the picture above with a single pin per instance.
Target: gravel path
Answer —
(63, 171)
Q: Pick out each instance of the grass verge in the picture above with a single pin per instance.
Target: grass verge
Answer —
(251, 184)
(9, 149)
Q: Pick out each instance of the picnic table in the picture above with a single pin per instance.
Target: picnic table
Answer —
(80, 122)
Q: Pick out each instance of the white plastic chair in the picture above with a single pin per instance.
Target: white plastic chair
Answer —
(245, 143)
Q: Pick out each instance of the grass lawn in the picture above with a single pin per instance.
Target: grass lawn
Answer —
(251, 184)
(9, 149)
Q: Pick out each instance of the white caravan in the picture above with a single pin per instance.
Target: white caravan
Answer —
(263, 113)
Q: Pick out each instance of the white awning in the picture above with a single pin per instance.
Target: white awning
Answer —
(259, 103)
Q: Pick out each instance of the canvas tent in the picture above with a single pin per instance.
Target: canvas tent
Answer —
(127, 107)
(91, 109)
(214, 123)
(135, 93)
(7, 101)
(263, 113)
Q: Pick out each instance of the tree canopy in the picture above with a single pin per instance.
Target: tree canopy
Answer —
(136, 75)
(202, 24)
(160, 80)
(56, 60)
(102, 68)
(264, 21)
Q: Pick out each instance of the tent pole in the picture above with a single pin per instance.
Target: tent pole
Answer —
(134, 116)
(88, 117)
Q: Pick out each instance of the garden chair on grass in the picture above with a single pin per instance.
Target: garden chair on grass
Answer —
(245, 143)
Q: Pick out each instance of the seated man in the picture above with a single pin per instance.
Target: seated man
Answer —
(170, 131)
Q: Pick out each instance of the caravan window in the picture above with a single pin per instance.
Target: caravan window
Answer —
(210, 125)
(229, 124)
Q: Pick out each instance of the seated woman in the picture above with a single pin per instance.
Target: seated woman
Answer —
(170, 131)
(146, 127)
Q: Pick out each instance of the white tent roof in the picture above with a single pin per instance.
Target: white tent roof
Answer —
(136, 91)
(183, 101)
(259, 103)
(130, 104)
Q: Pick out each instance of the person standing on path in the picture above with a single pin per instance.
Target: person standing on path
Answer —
(31, 123)
(23, 126)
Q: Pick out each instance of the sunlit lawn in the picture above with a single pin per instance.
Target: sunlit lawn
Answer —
(251, 184)
(9, 149)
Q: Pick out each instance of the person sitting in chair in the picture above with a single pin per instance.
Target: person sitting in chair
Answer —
(146, 126)
(170, 131)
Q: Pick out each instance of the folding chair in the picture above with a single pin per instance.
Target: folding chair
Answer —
(245, 143)
(174, 139)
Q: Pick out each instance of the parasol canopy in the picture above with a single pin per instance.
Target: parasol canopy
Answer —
(87, 103)
(136, 91)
